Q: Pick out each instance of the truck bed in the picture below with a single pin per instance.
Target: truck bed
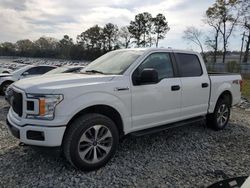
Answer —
(221, 82)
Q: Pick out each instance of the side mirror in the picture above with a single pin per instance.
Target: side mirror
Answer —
(149, 76)
(25, 74)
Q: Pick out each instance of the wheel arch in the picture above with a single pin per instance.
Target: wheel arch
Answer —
(212, 117)
(2, 84)
(226, 95)
(7, 81)
(105, 110)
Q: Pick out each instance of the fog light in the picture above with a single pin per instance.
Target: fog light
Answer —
(35, 135)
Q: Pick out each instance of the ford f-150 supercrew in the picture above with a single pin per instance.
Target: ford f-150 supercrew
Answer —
(135, 91)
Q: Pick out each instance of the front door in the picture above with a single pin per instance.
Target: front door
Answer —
(158, 103)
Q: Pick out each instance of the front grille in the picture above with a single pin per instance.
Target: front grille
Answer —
(16, 101)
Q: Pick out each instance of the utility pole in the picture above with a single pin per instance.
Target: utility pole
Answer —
(242, 43)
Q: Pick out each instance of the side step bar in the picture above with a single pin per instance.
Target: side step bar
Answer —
(200, 119)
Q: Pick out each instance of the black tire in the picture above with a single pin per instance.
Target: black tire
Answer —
(83, 127)
(4, 86)
(213, 119)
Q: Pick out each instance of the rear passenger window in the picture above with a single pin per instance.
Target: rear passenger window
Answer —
(188, 64)
(33, 71)
(44, 69)
(39, 70)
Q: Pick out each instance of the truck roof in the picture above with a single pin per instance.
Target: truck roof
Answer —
(160, 49)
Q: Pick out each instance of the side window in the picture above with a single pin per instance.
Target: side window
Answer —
(161, 62)
(188, 64)
(32, 71)
(44, 69)
(77, 70)
(73, 70)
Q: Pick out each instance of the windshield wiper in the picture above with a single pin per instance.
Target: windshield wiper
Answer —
(94, 71)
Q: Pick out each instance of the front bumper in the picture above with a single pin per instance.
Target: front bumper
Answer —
(37, 135)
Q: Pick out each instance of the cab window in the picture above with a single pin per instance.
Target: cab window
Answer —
(188, 64)
(161, 62)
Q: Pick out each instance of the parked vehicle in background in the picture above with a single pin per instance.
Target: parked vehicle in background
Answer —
(24, 72)
(130, 91)
(65, 69)
(4, 70)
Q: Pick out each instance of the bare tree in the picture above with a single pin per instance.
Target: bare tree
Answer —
(125, 36)
(215, 22)
(245, 58)
(212, 43)
(227, 13)
(245, 23)
(194, 35)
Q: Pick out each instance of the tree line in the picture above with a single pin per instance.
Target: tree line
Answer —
(224, 17)
(144, 31)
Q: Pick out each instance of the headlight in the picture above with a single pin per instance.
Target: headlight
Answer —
(46, 105)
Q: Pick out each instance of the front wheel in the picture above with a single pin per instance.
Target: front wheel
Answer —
(4, 87)
(219, 119)
(90, 141)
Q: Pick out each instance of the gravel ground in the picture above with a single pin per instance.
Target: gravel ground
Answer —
(191, 156)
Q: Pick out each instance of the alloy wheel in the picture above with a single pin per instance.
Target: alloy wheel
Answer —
(95, 144)
(222, 115)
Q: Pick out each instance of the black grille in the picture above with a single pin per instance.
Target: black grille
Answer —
(16, 101)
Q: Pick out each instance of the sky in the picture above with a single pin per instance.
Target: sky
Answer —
(31, 19)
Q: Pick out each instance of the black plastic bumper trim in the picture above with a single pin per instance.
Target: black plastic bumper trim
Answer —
(13, 130)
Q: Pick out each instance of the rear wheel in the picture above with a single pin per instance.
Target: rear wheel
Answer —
(219, 119)
(90, 141)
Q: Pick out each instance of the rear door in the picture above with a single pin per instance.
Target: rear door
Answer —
(195, 85)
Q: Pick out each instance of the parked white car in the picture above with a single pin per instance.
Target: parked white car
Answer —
(24, 72)
(4, 70)
(131, 91)
(65, 69)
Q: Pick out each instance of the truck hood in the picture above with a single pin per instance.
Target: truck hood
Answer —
(50, 83)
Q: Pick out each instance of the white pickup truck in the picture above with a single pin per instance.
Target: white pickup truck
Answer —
(132, 91)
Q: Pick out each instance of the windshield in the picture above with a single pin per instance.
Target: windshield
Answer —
(57, 70)
(21, 70)
(115, 62)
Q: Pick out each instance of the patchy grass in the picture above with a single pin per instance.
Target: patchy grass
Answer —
(246, 88)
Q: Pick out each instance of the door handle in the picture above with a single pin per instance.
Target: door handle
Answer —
(204, 85)
(121, 88)
(175, 88)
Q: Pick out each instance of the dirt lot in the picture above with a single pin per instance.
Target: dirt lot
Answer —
(192, 156)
